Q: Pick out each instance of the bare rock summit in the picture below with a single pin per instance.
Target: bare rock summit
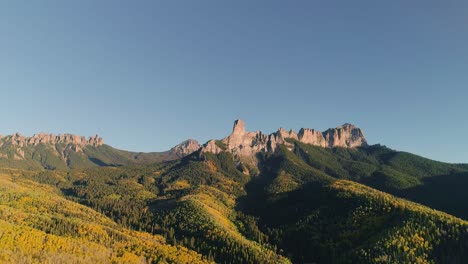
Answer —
(243, 143)
(185, 148)
(44, 138)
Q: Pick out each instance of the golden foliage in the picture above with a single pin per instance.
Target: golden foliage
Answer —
(37, 225)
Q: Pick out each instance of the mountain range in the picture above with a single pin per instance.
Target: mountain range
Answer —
(70, 151)
(284, 197)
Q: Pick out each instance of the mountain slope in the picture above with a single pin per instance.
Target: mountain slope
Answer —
(344, 153)
(291, 209)
(39, 226)
(47, 151)
(310, 197)
(190, 201)
(435, 184)
(326, 220)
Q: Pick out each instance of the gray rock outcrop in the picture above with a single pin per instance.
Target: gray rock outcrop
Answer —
(246, 144)
(185, 148)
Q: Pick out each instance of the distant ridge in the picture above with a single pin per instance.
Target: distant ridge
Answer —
(45, 138)
(65, 151)
(69, 151)
(245, 144)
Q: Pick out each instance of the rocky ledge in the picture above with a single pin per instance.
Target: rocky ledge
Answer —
(185, 148)
(244, 143)
(44, 138)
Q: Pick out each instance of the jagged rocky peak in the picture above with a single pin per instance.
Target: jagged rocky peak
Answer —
(45, 138)
(239, 127)
(347, 135)
(312, 136)
(211, 147)
(286, 134)
(244, 143)
(185, 148)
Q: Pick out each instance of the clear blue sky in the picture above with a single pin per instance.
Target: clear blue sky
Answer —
(146, 75)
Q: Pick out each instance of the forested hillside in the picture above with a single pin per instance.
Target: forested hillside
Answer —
(37, 225)
(62, 152)
(436, 184)
(300, 203)
(305, 205)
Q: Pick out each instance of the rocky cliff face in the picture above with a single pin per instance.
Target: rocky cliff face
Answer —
(185, 148)
(312, 137)
(65, 151)
(244, 144)
(18, 140)
(347, 135)
(72, 151)
(18, 145)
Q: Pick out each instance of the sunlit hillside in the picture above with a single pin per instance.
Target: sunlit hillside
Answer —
(37, 225)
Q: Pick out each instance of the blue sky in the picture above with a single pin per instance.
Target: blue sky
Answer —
(146, 75)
